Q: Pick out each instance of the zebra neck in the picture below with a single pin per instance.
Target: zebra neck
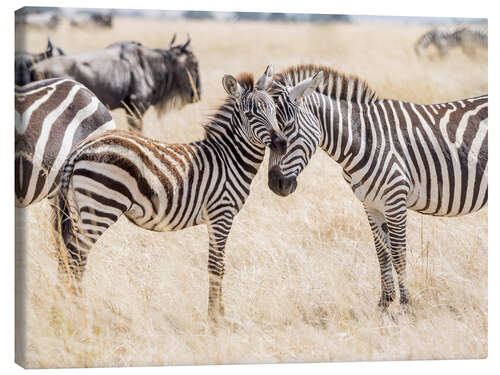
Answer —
(343, 132)
(226, 142)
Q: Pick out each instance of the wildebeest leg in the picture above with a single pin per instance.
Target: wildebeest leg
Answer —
(135, 112)
(381, 239)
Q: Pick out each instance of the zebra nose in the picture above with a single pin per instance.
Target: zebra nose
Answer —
(280, 184)
(278, 142)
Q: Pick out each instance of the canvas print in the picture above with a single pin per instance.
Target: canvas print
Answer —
(222, 187)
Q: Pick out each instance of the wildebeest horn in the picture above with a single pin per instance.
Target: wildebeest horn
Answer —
(188, 41)
(49, 45)
(173, 40)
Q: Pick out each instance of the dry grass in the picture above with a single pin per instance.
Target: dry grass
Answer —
(302, 278)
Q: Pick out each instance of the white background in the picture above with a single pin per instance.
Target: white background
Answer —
(448, 8)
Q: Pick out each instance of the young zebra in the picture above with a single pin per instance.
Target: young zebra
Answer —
(432, 159)
(51, 117)
(446, 37)
(167, 187)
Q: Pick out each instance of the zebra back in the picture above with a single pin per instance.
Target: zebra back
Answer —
(51, 117)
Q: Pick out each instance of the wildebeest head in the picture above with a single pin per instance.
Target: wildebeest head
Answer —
(25, 60)
(184, 76)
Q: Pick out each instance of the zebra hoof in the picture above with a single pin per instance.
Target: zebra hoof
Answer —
(404, 301)
(385, 300)
(216, 318)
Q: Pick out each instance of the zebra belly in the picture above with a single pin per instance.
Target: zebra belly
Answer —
(171, 212)
(165, 225)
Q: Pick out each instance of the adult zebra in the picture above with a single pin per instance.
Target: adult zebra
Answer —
(468, 37)
(162, 187)
(51, 117)
(432, 159)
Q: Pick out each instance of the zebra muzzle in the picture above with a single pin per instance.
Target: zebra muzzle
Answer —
(279, 184)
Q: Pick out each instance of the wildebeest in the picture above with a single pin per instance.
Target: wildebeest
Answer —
(25, 60)
(132, 76)
(93, 19)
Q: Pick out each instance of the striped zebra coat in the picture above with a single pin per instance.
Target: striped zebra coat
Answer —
(51, 117)
(167, 187)
(395, 155)
(468, 37)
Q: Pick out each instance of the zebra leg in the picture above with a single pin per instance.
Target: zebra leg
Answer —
(442, 48)
(381, 239)
(396, 221)
(80, 222)
(468, 49)
(72, 252)
(218, 231)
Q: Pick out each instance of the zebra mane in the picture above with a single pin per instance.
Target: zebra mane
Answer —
(335, 84)
(219, 119)
(246, 81)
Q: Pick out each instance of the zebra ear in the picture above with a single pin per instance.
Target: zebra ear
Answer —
(266, 79)
(231, 86)
(305, 87)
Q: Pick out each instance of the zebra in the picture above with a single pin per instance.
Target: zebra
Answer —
(446, 37)
(168, 187)
(51, 117)
(395, 155)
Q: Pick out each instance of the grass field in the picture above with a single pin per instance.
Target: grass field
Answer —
(302, 280)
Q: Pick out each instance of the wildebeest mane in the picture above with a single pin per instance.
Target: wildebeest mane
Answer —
(165, 94)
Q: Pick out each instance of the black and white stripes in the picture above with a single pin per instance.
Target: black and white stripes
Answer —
(395, 155)
(468, 37)
(51, 117)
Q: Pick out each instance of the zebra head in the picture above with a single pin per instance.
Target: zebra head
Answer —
(300, 127)
(256, 110)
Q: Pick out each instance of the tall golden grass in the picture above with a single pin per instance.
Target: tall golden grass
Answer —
(302, 280)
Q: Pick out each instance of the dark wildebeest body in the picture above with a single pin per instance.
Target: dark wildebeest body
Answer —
(131, 76)
(25, 60)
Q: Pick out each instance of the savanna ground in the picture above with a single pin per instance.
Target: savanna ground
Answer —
(302, 280)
